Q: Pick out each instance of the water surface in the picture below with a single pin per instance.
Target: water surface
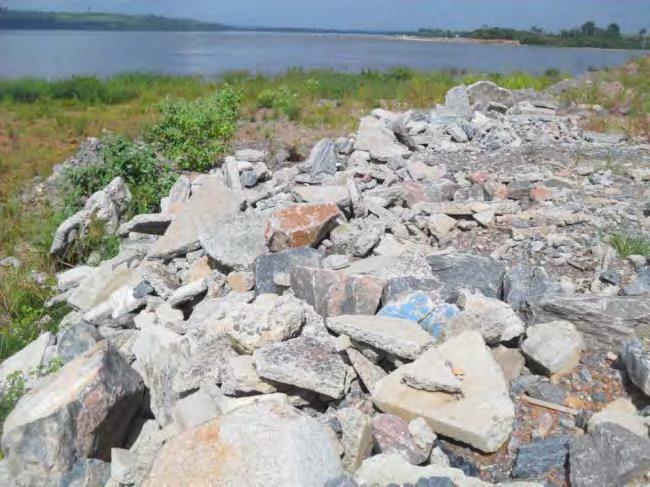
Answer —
(57, 54)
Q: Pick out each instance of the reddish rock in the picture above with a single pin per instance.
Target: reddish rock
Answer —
(541, 193)
(300, 226)
(415, 193)
(334, 293)
(391, 435)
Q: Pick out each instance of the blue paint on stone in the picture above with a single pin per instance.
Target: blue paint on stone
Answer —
(419, 307)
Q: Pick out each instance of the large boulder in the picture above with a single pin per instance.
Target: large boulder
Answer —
(481, 416)
(300, 225)
(377, 139)
(554, 347)
(467, 271)
(235, 241)
(483, 93)
(211, 200)
(82, 411)
(262, 444)
(603, 320)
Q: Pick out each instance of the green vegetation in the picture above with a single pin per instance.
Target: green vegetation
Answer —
(194, 133)
(21, 19)
(13, 391)
(587, 35)
(626, 245)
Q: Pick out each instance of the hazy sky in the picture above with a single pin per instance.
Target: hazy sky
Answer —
(377, 14)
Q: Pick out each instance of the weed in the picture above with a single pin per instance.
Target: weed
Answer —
(14, 389)
(194, 133)
(626, 245)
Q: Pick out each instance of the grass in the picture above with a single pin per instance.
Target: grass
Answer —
(626, 245)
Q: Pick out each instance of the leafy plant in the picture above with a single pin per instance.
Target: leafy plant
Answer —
(626, 245)
(14, 389)
(283, 100)
(194, 133)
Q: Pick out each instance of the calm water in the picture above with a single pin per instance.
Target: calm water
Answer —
(56, 54)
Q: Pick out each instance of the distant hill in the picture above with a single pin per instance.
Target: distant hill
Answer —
(20, 19)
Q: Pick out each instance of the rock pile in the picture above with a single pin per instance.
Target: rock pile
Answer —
(427, 302)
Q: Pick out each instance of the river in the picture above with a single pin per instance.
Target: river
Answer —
(58, 54)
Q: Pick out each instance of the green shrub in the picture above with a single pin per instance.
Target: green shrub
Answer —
(148, 177)
(283, 100)
(14, 389)
(194, 133)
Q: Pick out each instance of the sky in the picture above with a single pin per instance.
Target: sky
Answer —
(376, 14)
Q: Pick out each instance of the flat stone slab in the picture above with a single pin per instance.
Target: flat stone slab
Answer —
(403, 338)
(482, 417)
(300, 225)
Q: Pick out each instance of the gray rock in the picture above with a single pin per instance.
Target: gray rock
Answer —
(322, 194)
(636, 359)
(402, 338)
(82, 411)
(235, 241)
(539, 458)
(466, 271)
(603, 320)
(294, 451)
(481, 417)
(192, 410)
(240, 377)
(248, 178)
(189, 292)
(554, 347)
(482, 93)
(368, 372)
(10, 262)
(322, 160)
(179, 194)
(333, 293)
(87, 472)
(430, 373)
(303, 363)
(76, 340)
(30, 359)
(641, 284)
(609, 455)
(377, 139)
(250, 155)
(547, 391)
(267, 266)
(457, 102)
(163, 280)
(154, 224)
(73, 277)
(392, 436)
(356, 438)
(525, 286)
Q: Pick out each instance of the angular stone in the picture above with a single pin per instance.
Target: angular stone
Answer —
(641, 284)
(294, 451)
(82, 411)
(392, 436)
(604, 320)
(30, 359)
(482, 417)
(553, 347)
(159, 277)
(430, 373)
(188, 292)
(368, 372)
(73, 277)
(101, 285)
(322, 160)
(73, 341)
(637, 364)
(377, 139)
(192, 410)
(440, 225)
(417, 306)
(494, 319)
(267, 266)
(623, 413)
(337, 195)
(210, 201)
(333, 293)
(402, 338)
(241, 282)
(356, 438)
(525, 286)
(250, 155)
(539, 458)
(457, 102)
(300, 225)
(240, 377)
(235, 241)
(153, 224)
(179, 193)
(466, 271)
(303, 363)
(511, 361)
(482, 93)
(609, 455)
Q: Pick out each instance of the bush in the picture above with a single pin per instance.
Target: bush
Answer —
(194, 133)
(626, 245)
(282, 100)
(147, 176)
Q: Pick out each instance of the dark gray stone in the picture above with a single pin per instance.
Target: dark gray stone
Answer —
(603, 320)
(75, 340)
(640, 285)
(541, 457)
(460, 462)
(609, 456)
(637, 363)
(467, 271)
(143, 289)
(322, 160)
(546, 391)
(519, 190)
(525, 285)
(435, 482)
(266, 266)
(611, 277)
(248, 178)
(88, 472)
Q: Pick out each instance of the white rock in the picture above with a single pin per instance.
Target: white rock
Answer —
(430, 373)
(553, 347)
(623, 413)
(377, 139)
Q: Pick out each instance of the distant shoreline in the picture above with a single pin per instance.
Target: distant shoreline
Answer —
(455, 40)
